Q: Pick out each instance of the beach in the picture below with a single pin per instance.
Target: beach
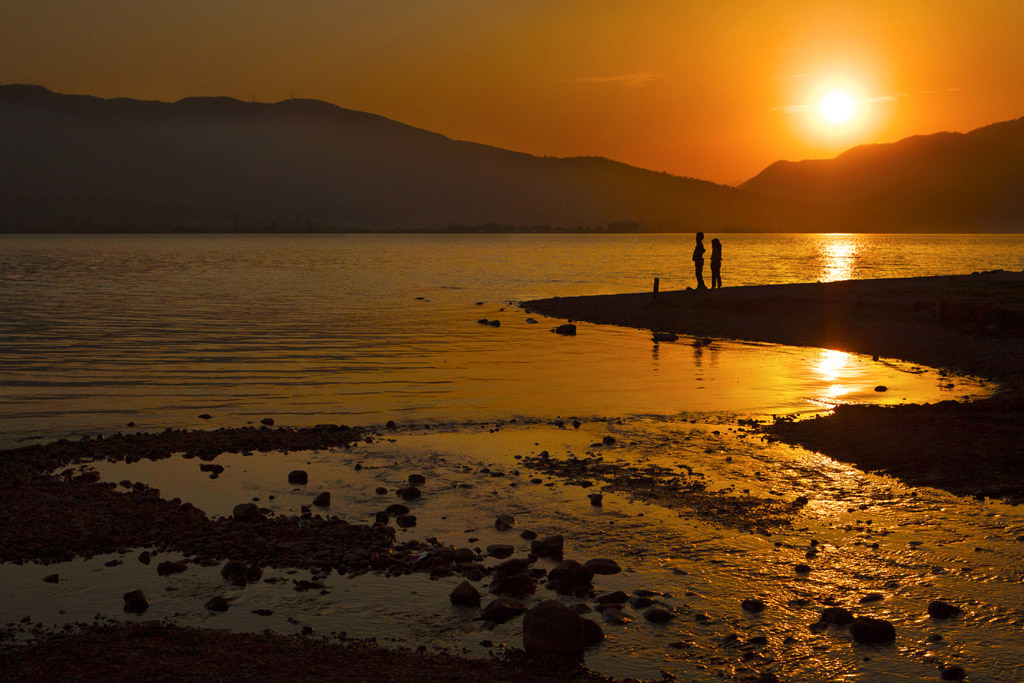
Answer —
(970, 324)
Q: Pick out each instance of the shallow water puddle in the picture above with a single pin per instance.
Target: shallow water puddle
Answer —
(929, 545)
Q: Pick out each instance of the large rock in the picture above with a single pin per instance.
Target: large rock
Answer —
(500, 550)
(837, 616)
(502, 609)
(218, 604)
(657, 615)
(602, 565)
(753, 605)
(549, 546)
(567, 330)
(593, 634)
(870, 631)
(298, 477)
(616, 598)
(465, 595)
(504, 522)
(135, 602)
(510, 567)
(239, 574)
(247, 512)
(409, 493)
(516, 584)
(552, 629)
(168, 568)
(569, 576)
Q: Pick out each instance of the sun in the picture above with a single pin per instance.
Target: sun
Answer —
(838, 107)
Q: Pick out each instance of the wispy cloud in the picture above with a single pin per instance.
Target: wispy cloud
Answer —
(868, 100)
(640, 78)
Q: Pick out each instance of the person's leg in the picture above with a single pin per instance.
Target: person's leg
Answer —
(716, 275)
(699, 271)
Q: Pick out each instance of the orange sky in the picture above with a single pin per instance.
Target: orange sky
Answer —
(705, 88)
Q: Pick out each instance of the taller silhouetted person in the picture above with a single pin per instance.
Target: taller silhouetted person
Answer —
(698, 260)
(716, 263)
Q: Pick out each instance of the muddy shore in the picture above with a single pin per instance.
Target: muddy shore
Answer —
(969, 324)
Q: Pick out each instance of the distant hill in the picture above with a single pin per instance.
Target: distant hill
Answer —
(77, 163)
(952, 181)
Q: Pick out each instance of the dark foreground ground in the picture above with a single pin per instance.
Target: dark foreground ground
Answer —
(971, 324)
(158, 652)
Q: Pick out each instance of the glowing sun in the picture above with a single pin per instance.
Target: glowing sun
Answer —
(838, 107)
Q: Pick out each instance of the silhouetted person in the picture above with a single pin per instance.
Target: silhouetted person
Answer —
(716, 263)
(698, 260)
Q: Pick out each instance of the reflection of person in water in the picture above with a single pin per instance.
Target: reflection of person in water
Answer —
(698, 260)
(716, 263)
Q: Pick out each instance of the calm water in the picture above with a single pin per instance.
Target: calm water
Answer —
(98, 331)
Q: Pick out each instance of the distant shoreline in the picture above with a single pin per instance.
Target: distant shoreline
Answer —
(971, 324)
(474, 230)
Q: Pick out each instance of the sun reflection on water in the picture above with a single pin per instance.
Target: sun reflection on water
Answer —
(838, 255)
(830, 368)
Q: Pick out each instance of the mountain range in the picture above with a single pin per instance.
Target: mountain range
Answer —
(75, 163)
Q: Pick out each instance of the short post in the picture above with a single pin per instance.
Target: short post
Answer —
(655, 292)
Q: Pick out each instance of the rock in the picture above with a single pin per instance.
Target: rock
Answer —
(657, 615)
(576, 424)
(510, 567)
(168, 568)
(213, 469)
(145, 557)
(298, 477)
(937, 609)
(247, 512)
(593, 634)
(570, 575)
(502, 610)
(380, 490)
(552, 629)
(239, 574)
(881, 388)
(871, 597)
(566, 330)
(465, 595)
(218, 604)
(753, 605)
(417, 479)
(868, 630)
(664, 337)
(405, 521)
(953, 672)
(323, 499)
(390, 424)
(504, 522)
(596, 499)
(135, 602)
(802, 568)
(602, 565)
(640, 601)
(263, 612)
(396, 509)
(608, 440)
(836, 616)
(268, 421)
(616, 616)
(204, 416)
(549, 546)
(531, 321)
(409, 493)
(616, 598)
(52, 578)
(528, 535)
(500, 550)
(515, 584)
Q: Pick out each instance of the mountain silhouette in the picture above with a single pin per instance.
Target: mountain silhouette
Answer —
(79, 163)
(946, 181)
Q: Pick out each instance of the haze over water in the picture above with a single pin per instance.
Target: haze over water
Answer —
(98, 331)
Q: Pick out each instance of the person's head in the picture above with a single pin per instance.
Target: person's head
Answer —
(715, 242)
(700, 237)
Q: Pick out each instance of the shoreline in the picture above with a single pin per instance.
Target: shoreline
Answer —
(968, 324)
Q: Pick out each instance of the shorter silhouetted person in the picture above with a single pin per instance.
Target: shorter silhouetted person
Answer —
(698, 260)
(716, 263)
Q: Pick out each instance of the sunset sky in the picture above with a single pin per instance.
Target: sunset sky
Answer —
(715, 89)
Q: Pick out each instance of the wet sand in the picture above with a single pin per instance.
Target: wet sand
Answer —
(969, 324)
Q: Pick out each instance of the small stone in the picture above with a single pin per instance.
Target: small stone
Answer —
(753, 605)
(263, 612)
(868, 631)
(608, 441)
(205, 416)
(323, 499)
(405, 521)
(881, 387)
(552, 629)
(640, 601)
(802, 569)
(145, 557)
(268, 421)
(871, 597)
(593, 634)
(504, 522)
(218, 604)
(528, 535)
(298, 477)
(596, 499)
(568, 576)
(501, 610)
(247, 512)
(549, 546)
(396, 509)
(380, 491)
(516, 584)
(953, 672)
(409, 493)
(614, 615)
(135, 602)
(602, 565)
(390, 424)
(500, 550)
(52, 578)
(465, 595)
(837, 616)
(657, 615)
(937, 609)
(417, 479)
(616, 598)
(565, 330)
(168, 568)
